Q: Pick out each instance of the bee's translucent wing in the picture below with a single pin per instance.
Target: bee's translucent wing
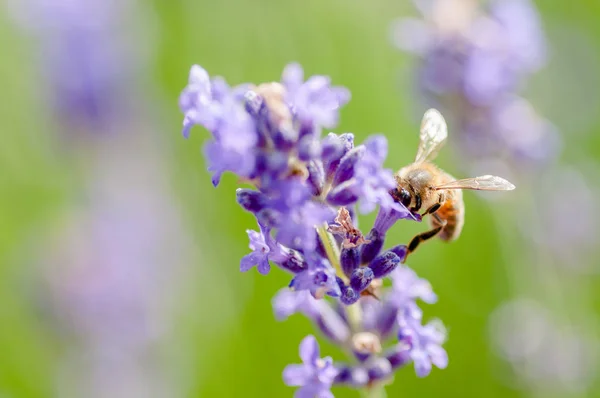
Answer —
(483, 183)
(432, 137)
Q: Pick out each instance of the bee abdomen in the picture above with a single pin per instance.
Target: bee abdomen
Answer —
(453, 213)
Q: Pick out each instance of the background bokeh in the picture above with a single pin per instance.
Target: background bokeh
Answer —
(132, 193)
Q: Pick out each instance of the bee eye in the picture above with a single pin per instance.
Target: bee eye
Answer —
(405, 197)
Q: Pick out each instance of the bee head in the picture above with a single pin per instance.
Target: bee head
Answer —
(401, 195)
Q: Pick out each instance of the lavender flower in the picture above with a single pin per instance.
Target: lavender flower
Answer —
(87, 61)
(105, 287)
(549, 354)
(472, 63)
(260, 255)
(425, 344)
(394, 315)
(307, 189)
(315, 375)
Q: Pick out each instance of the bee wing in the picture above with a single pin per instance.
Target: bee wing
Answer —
(483, 183)
(432, 136)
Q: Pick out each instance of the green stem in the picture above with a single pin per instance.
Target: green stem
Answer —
(374, 391)
(333, 252)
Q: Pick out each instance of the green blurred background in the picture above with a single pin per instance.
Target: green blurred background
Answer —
(222, 338)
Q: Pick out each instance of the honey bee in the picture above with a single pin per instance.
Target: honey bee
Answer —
(423, 185)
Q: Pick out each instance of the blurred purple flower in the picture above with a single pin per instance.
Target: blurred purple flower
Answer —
(425, 344)
(408, 286)
(232, 128)
(288, 302)
(473, 61)
(88, 64)
(549, 354)
(104, 277)
(315, 100)
(315, 376)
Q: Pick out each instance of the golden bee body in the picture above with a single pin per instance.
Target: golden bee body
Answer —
(424, 187)
(453, 213)
(420, 180)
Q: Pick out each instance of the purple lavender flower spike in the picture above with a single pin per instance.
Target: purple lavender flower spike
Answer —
(306, 191)
(315, 376)
(259, 256)
(479, 56)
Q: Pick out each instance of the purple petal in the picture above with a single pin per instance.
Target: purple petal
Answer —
(249, 261)
(263, 266)
(308, 391)
(486, 77)
(309, 350)
(199, 76)
(522, 30)
(422, 363)
(344, 194)
(296, 375)
(377, 147)
(439, 356)
(187, 126)
(342, 94)
(292, 77)
(288, 302)
(325, 394)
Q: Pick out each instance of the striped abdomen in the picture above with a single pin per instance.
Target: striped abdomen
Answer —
(453, 212)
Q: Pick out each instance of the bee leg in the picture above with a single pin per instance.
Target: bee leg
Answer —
(433, 209)
(414, 243)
